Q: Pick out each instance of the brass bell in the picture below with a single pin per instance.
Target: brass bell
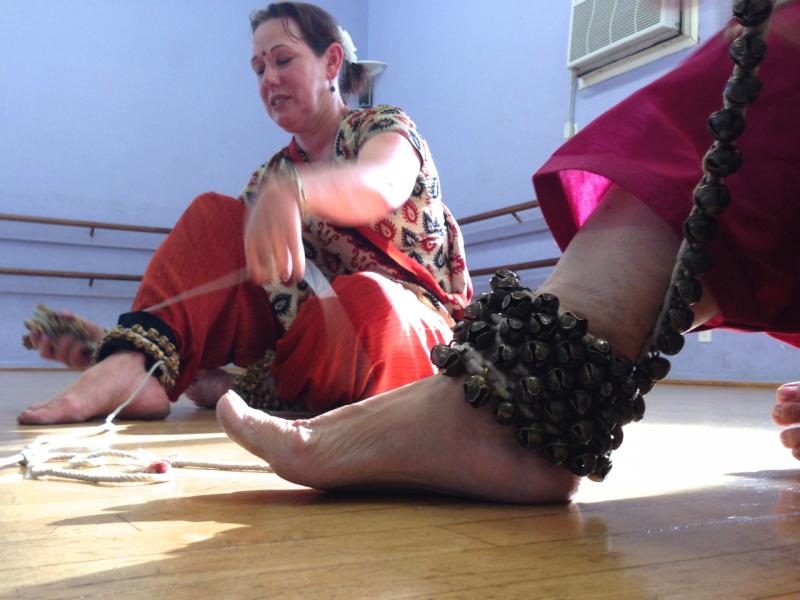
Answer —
(601, 469)
(447, 359)
(477, 390)
(680, 317)
(531, 436)
(504, 279)
(696, 260)
(727, 124)
(557, 452)
(722, 160)
(511, 330)
(627, 388)
(461, 332)
(700, 228)
(517, 304)
(750, 13)
(582, 464)
(556, 411)
(601, 443)
(581, 402)
(645, 383)
(481, 334)
(669, 341)
(616, 437)
(573, 324)
(505, 412)
(536, 353)
(529, 390)
(748, 51)
(606, 390)
(569, 352)
(598, 350)
(609, 418)
(477, 311)
(581, 432)
(625, 413)
(638, 408)
(713, 198)
(589, 375)
(505, 356)
(742, 89)
(546, 303)
(689, 289)
(548, 325)
(558, 380)
(656, 367)
(619, 366)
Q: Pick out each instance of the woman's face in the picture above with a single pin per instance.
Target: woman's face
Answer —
(294, 83)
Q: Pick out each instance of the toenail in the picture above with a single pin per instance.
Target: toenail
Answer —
(777, 411)
(787, 392)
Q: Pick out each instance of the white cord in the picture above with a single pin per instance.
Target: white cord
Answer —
(148, 469)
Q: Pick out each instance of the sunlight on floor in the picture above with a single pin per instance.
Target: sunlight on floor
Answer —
(658, 459)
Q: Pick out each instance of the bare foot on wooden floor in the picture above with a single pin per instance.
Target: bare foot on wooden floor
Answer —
(99, 390)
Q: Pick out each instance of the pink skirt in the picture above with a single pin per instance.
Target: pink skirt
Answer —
(652, 145)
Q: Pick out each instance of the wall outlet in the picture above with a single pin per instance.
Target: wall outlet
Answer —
(704, 336)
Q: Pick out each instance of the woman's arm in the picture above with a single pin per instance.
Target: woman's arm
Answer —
(361, 192)
(352, 194)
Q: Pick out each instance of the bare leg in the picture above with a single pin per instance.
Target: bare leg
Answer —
(99, 390)
(425, 436)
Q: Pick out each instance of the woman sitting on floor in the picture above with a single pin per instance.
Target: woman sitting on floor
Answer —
(356, 193)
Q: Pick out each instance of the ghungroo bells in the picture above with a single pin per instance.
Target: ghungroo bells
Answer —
(565, 391)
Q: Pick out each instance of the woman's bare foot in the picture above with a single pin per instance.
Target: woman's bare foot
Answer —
(208, 387)
(423, 436)
(67, 348)
(99, 390)
(787, 412)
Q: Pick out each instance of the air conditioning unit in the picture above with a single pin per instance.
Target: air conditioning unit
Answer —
(604, 31)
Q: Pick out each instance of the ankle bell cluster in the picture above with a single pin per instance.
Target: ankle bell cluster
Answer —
(45, 321)
(563, 390)
(142, 332)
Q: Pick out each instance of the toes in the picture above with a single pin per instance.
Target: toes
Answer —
(786, 414)
(247, 427)
(790, 438)
(788, 392)
(58, 410)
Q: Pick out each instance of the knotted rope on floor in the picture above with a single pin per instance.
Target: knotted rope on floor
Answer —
(37, 458)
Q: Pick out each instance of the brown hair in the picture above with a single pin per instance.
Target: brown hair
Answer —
(319, 30)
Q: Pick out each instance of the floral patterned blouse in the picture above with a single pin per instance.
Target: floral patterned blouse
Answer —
(419, 244)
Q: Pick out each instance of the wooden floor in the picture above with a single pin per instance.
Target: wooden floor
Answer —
(703, 502)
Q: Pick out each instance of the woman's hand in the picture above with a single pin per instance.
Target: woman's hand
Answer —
(71, 349)
(273, 243)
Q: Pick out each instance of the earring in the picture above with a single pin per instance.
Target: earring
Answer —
(332, 88)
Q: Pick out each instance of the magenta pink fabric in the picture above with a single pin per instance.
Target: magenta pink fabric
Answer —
(652, 145)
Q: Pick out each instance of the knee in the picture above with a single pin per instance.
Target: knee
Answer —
(211, 203)
(212, 210)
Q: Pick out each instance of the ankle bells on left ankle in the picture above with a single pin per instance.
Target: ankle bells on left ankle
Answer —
(145, 333)
(563, 388)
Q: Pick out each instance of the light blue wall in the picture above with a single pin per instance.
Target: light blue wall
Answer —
(123, 110)
(120, 111)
